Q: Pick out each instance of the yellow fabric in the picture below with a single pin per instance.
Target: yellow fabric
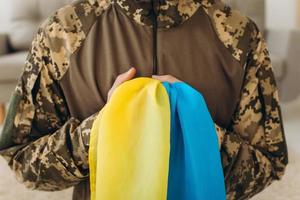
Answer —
(130, 144)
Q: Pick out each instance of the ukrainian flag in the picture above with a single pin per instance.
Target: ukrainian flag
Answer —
(155, 141)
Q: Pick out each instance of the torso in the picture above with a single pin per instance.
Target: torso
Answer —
(192, 52)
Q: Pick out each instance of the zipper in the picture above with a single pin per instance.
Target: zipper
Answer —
(154, 13)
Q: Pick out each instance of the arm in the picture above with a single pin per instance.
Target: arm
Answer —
(53, 162)
(254, 151)
(44, 146)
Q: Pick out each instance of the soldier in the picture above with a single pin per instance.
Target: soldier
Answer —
(80, 50)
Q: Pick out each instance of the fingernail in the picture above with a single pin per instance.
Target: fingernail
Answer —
(132, 68)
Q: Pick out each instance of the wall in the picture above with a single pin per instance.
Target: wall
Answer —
(4, 15)
(281, 14)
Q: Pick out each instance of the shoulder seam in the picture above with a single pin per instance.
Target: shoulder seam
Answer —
(230, 27)
(65, 32)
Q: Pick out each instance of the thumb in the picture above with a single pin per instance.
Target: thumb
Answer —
(130, 74)
(124, 77)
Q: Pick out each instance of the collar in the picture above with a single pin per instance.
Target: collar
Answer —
(169, 13)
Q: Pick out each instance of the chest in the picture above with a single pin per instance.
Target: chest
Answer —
(191, 52)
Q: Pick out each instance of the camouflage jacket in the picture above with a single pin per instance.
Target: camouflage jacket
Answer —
(45, 139)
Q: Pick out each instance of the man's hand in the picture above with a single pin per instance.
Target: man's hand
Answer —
(130, 75)
(121, 79)
(166, 78)
(172, 79)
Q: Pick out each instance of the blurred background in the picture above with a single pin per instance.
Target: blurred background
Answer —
(279, 21)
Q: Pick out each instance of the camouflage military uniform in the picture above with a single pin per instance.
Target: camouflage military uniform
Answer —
(47, 147)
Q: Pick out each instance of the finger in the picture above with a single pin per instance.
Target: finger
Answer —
(161, 78)
(166, 78)
(125, 77)
(121, 79)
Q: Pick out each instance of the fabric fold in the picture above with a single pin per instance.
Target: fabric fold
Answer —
(195, 162)
(130, 159)
(155, 141)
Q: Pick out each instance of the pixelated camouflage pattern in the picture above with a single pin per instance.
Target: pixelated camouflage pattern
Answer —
(44, 145)
(254, 150)
(170, 12)
(230, 25)
(47, 148)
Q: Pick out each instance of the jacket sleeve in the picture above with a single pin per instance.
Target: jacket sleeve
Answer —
(254, 151)
(45, 147)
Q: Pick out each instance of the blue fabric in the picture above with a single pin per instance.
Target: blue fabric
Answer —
(195, 171)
